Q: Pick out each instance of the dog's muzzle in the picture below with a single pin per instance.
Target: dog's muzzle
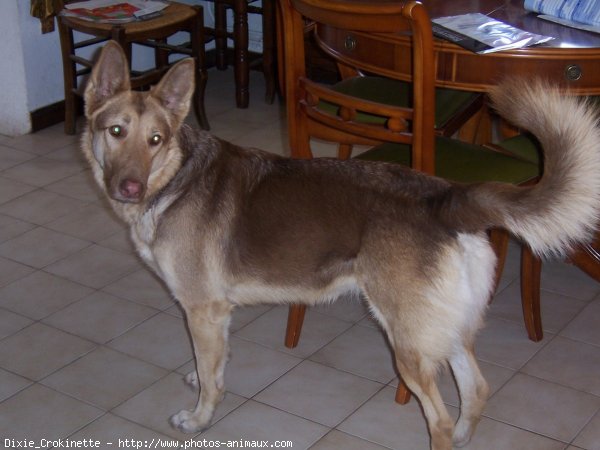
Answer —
(129, 191)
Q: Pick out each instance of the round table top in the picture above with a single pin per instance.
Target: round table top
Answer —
(513, 13)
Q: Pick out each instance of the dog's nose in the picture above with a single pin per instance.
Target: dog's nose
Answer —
(130, 189)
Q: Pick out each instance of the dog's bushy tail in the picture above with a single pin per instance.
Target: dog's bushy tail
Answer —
(563, 208)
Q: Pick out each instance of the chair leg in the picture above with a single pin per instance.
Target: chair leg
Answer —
(531, 268)
(242, 63)
(70, 76)
(402, 393)
(221, 35)
(344, 151)
(197, 40)
(268, 55)
(294, 325)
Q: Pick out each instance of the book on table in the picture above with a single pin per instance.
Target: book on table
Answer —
(114, 11)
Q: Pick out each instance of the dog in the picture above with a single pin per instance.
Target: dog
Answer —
(226, 226)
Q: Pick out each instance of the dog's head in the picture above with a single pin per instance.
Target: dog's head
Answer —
(131, 136)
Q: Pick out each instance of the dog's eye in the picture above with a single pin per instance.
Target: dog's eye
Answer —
(156, 139)
(116, 130)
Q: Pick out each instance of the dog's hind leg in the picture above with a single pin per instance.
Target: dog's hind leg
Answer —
(209, 328)
(473, 391)
(419, 374)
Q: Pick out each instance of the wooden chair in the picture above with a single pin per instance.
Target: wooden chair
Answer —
(403, 134)
(177, 17)
(242, 61)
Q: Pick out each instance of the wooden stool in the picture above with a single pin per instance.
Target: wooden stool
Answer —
(152, 33)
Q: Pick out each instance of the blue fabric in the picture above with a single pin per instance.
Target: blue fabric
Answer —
(584, 11)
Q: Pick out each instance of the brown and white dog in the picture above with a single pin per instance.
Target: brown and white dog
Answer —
(226, 226)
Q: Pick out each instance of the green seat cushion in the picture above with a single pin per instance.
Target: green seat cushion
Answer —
(459, 161)
(448, 102)
(523, 146)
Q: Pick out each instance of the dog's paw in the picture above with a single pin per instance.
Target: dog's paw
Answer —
(461, 437)
(186, 422)
(191, 379)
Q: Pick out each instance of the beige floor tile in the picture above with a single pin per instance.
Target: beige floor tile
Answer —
(589, 437)
(363, 351)
(568, 280)
(382, 421)
(505, 343)
(557, 310)
(11, 228)
(162, 340)
(259, 422)
(42, 142)
(154, 406)
(500, 436)
(120, 242)
(95, 266)
(112, 431)
(100, 317)
(38, 413)
(266, 137)
(47, 350)
(570, 363)
(80, 186)
(10, 384)
(336, 440)
(11, 271)
(176, 310)
(10, 157)
(319, 393)
(585, 326)
(69, 153)
(542, 407)
(142, 287)
(10, 190)
(40, 294)
(104, 378)
(242, 316)
(495, 376)
(10, 323)
(220, 126)
(40, 206)
(41, 247)
(92, 222)
(252, 367)
(317, 331)
(348, 308)
(42, 171)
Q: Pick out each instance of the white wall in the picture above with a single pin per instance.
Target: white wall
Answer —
(31, 72)
(14, 111)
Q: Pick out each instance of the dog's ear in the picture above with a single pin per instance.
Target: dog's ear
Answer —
(176, 88)
(110, 76)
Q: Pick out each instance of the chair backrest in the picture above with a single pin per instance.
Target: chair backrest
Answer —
(336, 122)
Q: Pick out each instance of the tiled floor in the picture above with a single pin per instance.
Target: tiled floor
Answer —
(91, 345)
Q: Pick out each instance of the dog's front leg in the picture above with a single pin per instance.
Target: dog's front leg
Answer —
(209, 328)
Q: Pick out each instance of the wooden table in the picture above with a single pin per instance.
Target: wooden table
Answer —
(572, 59)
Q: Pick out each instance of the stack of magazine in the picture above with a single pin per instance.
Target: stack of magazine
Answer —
(114, 11)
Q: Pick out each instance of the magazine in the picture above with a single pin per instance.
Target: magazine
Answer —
(482, 34)
(582, 14)
(114, 11)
